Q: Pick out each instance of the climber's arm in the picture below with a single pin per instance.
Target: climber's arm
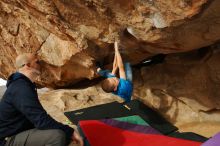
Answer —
(119, 62)
(115, 65)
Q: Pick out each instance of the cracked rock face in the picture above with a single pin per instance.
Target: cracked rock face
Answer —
(69, 36)
(184, 89)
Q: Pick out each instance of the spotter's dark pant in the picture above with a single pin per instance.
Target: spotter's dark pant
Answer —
(36, 137)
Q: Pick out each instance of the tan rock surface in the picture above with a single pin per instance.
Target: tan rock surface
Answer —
(56, 102)
(186, 118)
(184, 89)
(70, 35)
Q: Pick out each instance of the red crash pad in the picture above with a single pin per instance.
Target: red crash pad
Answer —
(101, 134)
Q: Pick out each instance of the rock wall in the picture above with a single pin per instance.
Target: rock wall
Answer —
(184, 89)
(69, 36)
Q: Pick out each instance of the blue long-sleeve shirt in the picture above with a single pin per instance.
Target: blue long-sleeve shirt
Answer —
(124, 88)
(21, 110)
